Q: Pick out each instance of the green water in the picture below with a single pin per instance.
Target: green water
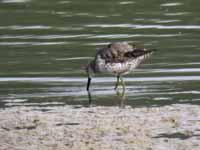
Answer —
(44, 46)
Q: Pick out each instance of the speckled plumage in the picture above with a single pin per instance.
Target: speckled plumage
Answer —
(117, 58)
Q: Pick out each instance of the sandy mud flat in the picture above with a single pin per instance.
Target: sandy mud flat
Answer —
(174, 127)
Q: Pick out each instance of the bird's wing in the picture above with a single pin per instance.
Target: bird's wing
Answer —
(137, 53)
(115, 52)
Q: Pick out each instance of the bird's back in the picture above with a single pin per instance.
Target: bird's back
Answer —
(119, 58)
(115, 52)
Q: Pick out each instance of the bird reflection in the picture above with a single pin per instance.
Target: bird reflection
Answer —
(121, 96)
(89, 98)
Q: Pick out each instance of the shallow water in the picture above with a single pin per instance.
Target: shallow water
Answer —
(44, 46)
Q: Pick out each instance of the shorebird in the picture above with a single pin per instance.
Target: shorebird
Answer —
(117, 58)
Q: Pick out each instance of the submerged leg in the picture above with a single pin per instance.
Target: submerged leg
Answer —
(123, 85)
(88, 83)
(117, 83)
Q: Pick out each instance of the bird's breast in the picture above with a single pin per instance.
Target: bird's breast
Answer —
(116, 67)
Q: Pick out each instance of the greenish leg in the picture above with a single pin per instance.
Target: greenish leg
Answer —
(117, 83)
(123, 86)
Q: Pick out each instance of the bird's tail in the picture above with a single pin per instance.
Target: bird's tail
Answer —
(151, 50)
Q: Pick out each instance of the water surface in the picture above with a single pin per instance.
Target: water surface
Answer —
(44, 46)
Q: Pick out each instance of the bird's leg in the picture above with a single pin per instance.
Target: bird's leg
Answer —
(117, 83)
(123, 86)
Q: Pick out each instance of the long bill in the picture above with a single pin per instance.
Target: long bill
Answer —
(88, 83)
(89, 72)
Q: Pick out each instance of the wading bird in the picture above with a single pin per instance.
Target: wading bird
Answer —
(117, 58)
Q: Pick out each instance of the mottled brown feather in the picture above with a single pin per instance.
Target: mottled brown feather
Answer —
(137, 53)
(120, 52)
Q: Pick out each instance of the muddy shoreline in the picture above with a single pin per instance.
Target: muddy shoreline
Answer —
(174, 127)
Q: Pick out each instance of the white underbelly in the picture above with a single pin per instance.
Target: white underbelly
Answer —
(117, 68)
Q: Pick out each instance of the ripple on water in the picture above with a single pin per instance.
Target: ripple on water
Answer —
(126, 2)
(98, 79)
(141, 26)
(177, 14)
(171, 4)
(50, 90)
(74, 58)
(15, 1)
(20, 27)
(113, 36)
(31, 43)
(43, 37)
(15, 100)
(185, 70)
